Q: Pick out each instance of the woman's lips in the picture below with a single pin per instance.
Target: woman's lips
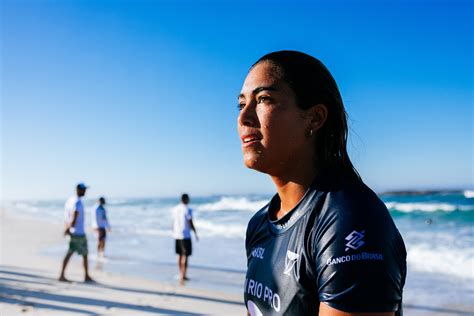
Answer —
(250, 139)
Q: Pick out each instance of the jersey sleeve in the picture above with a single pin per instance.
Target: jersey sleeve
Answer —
(358, 253)
(254, 228)
(248, 236)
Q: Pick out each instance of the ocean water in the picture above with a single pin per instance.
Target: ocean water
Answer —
(438, 230)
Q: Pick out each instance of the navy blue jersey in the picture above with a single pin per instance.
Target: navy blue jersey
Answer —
(339, 246)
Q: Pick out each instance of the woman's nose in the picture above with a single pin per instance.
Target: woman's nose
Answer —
(247, 115)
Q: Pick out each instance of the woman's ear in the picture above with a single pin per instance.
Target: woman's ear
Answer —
(318, 115)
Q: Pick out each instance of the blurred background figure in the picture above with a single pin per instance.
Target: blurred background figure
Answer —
(100, 224)
(74, 224)
(182, 225)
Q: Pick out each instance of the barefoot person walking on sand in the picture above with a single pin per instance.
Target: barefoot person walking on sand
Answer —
(74, 216)
(182, 225)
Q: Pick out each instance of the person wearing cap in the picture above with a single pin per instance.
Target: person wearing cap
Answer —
(74, 227)
(101, 225)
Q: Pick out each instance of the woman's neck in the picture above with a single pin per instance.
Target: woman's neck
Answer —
(291, 189)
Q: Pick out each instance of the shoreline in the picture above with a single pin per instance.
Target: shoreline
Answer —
(28, 282)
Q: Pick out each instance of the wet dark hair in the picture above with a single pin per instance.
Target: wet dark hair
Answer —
(313, 84)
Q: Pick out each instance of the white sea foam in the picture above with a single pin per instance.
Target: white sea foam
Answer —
(205, 228)
(232, 204)
(427, 207)
(27, 207)
(212, 229)
(116, 201)
(33, 209)
(155, 232)
(469, 194)
(442, 260)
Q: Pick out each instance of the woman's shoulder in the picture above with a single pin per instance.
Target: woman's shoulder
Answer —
(353, 216)
(355, 196)
(355, 242)
(353, 204)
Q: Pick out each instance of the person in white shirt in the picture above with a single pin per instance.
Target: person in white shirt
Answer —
(74, 227)
(101, 225)
(182, 225)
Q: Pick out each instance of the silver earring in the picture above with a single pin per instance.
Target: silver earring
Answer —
(310, 132)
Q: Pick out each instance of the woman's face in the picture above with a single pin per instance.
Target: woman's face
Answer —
(272, 129)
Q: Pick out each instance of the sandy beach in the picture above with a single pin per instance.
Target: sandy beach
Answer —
(29, 286)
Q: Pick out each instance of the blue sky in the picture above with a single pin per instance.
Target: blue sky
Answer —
(138, 98)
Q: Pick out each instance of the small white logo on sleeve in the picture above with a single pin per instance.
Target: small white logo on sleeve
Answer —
(290, 260)
(257, 252)
(354, 240)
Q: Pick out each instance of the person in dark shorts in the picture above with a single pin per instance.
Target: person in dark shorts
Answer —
(325, 244)
(184, 247)
(74, 227)
(101, 225)
(182, 216)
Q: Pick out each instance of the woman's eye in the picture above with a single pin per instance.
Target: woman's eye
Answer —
(263, 99)
(240, 106)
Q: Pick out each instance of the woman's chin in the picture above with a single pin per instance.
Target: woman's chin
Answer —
(255, 162)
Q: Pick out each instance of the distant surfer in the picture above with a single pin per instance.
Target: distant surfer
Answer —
(74, 227)
(101, 225)
(325, 244)
(182, 216)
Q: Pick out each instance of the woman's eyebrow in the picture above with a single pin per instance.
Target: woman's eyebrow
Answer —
(259, 89)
